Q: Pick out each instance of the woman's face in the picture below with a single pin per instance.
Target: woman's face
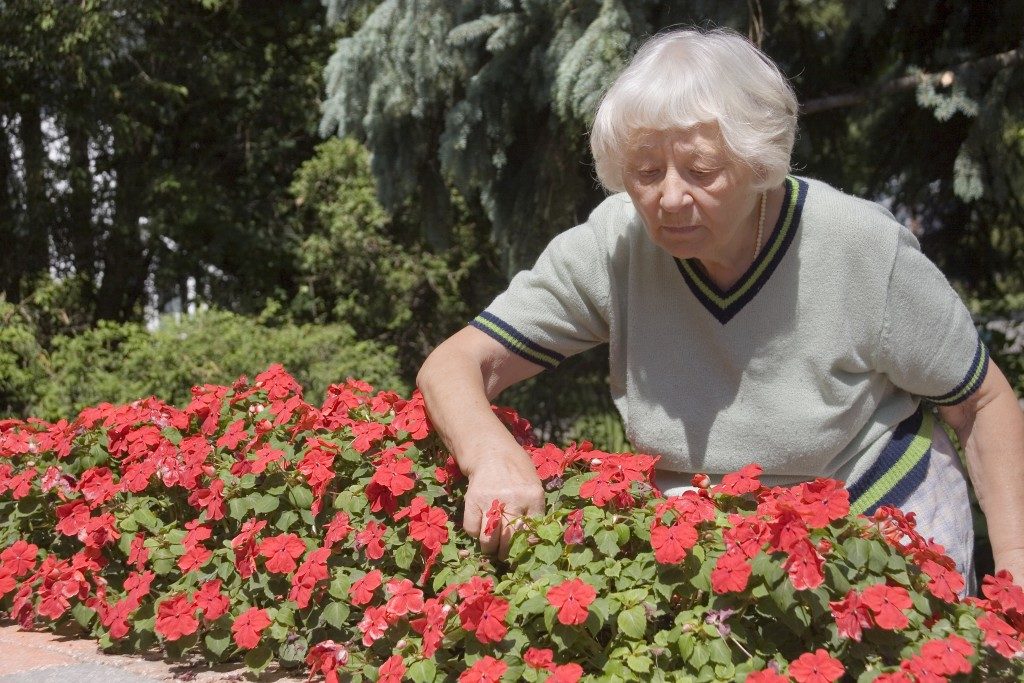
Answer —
(694, 200)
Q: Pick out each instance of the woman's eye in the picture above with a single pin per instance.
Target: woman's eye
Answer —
(647, 172)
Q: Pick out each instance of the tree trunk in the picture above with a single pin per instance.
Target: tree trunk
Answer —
(79, 207)
(9, 269)
(34, 235)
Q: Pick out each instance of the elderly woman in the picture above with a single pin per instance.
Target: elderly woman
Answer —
(751, 316)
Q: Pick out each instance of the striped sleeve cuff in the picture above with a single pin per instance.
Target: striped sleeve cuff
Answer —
(969, 384)
(514, 341)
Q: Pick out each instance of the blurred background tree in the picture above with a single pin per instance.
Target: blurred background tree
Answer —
(165, 156)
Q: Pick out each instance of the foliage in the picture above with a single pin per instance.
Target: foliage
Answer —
(252, 524)
(1000, 323)
(356, 268)
(117, 362)
(496, 96)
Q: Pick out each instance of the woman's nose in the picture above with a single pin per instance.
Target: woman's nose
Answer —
(675, 193)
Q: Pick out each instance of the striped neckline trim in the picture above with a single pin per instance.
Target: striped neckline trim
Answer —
(724, 305)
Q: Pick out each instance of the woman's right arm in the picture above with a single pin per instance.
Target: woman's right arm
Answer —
(458, 381)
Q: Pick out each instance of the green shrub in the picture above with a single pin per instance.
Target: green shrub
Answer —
(119, 362)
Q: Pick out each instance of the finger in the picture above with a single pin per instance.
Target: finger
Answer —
(489, 542)
(472, 519)
(508, 529)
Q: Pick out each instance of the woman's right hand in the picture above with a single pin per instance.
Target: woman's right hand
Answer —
(511, 479)
(458, 381)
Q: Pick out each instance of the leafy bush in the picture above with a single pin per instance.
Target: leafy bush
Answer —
(252, 524)
(21, 356)
(116, 362)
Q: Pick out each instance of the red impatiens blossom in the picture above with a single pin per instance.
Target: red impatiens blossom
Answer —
(138, 554)
(738, 483)
(403, 597)
(97, 486)
(175, 617)
(367, 434)
(747, 533)
(19, 558)
(210, 601)
(948, 656)
(486, 670)
(485, 616)
(816, 667)
(248, 626)
(281, 552)
(493, 517)
(245, 547)
(374, 624)
(671, 542)
(572, 598)
(615, 476)
(766, 676)
(392, 670)
(565, 673)
(731, 572)
(804, 565)
(372, 539)
(312, 570)
(852, 616)
(539, 658)
(325, 657)
(194, 558)
(411, 417)
(999, 635)
(1001, 590)
(338, 529)
(391, 479)
(945, 583)
(362, 589)
(887, 604)
(822, 501)
(428, 525)
(210, 500)
(573, 534)
(431, 624)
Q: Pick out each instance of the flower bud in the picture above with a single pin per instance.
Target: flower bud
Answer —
(463, 553)
(701, 481)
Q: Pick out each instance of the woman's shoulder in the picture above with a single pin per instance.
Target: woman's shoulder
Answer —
(838, 222)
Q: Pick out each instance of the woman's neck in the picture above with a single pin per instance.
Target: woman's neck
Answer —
(727, 271)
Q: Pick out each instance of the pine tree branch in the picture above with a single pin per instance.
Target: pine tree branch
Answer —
(942, 78)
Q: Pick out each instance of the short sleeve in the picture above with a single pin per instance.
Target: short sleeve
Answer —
(559, 307)
(928, 345)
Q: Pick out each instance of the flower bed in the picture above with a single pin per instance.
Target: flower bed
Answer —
(255, 525)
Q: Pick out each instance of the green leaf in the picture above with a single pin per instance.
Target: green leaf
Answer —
(700, 656)
(548, 554)
(633, 622)
(293, 650)
(82, 614)
(217, 641)
(404, 555)
(259, 658)
(581, 558)
(238, 508)
(639, 663)
(301, 497)
(335, 614)
(550, 531)
(685, 646)
(422, 671)
(607, 541)
(571, 487)
(265, 503)
(286, 519)
(720, 652)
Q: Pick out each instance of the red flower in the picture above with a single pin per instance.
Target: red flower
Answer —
(945, 583)
(851, 615)
(411, 417)
(19, 558)
(138, 554)
(1001, 590)
(573, 534)
(572, 598)
(743, 481)
(362, 589)
(244, 545)
(485, 670)
(539, 658)
(731, 572)
(210, 601)
(816, 667)
(804, 565)
(404, 598)
(281, 552)
(485, 615)
(211, 500)
(670, 543)
(887, 604)
(494, 516)
(392, 670)
(948, 655)
(372, 537)
(325, 657)
(430, 528)
(194, 558)
(175, 617)
(431, 624)
(822, 502)
(248, 626)
(999, 635)
(374, 624)
(338, 529)
(566, 673)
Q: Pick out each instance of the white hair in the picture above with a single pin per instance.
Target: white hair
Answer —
(680, 79)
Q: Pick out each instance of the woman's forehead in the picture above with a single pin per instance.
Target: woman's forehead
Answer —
(701, 140)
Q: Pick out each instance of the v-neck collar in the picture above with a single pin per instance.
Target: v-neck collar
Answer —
(724, 305)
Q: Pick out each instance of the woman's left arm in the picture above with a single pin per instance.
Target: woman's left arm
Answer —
(990, 426)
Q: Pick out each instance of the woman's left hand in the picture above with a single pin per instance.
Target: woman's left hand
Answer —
(990, 426)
